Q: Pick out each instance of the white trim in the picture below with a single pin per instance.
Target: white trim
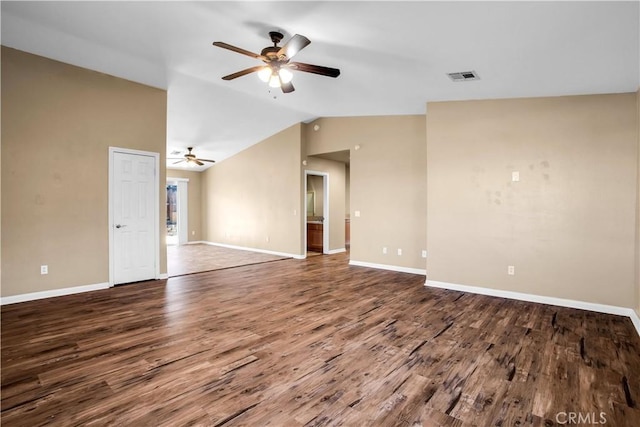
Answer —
(182, 185)
(635, 319)
(163, 276)
(389, 267)
(325, 214)
(183, 212)
(156, 216)
(561, 302)
(244, 248)
(52, 293)
(336, 251)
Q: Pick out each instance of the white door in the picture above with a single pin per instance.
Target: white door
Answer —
(134, 209)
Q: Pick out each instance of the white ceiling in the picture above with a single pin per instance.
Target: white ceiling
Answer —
(393, 56)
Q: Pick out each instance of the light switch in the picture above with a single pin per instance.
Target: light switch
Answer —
(356, 213)
(515, 176)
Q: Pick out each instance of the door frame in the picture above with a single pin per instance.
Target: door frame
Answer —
(325, 209)
(183, 208)
(156, 216)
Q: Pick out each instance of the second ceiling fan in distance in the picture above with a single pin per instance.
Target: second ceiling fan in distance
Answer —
(278, 64)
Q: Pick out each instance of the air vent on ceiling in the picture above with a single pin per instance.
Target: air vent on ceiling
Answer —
(463, 76)
(175, 152)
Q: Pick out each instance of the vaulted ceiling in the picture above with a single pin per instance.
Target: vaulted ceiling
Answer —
(394, 56)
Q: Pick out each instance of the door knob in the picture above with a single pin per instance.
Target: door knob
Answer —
(120, 225)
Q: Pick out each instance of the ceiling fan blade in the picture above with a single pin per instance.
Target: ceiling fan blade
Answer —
(293, 46)
(198, 162)
(206, 160)
(238, 50)
(315, 69)
(179, 161)
(286, 87)
(243, 72)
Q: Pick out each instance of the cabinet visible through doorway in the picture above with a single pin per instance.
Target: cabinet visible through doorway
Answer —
(314, 237)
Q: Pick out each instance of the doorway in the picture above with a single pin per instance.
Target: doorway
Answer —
(134, 253)
(317, 213)
(172, 214)
(177, 211)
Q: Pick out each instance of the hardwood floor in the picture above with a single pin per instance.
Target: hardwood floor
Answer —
(196, 258)
(312, 342)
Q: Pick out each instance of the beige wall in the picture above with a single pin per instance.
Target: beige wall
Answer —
(336, 173)
(57, 124)
(254, 199)
(387, 183)
(567, 226)
(194, 198)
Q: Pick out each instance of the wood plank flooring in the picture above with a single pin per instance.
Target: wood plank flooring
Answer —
(311, 343)
(197, 258)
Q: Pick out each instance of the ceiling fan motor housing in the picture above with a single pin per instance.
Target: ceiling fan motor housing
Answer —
(270, 52)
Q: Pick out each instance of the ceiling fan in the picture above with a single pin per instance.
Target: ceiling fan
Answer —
(278, 62)
(191, 158)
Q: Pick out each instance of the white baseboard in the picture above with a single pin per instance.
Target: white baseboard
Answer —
(52, 293)
(389, 267)
(561, 302)
(263, 251)
(336, 251)
(635, 318)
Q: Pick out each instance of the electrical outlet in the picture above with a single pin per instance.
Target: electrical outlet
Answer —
(399, 251)
(384, 250)
(356, 214)
(424, 254)
(267, 239)
(193, 232)
(515, 176)
(511, 270)
(44, 269)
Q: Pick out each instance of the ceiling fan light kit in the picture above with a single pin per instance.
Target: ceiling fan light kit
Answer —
(277, 69)
(265, 74)
(275, 78)
(285, 75)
